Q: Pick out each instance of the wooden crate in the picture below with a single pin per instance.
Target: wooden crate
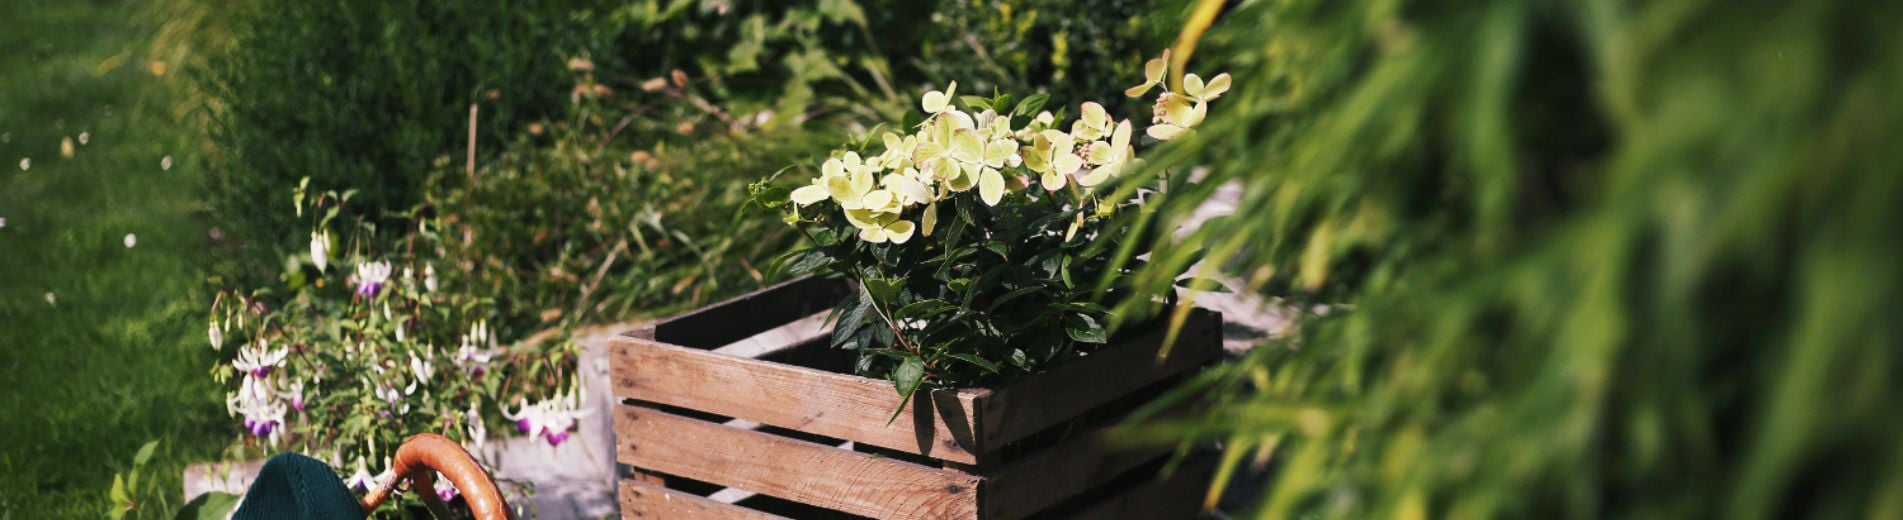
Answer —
(741, 410)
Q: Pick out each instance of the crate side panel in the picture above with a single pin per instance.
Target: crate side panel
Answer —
(1067, 470)
(644, 501)
(796, 470)
(936, 424)
(1172, 496)
(745, 315)
(1061, 394)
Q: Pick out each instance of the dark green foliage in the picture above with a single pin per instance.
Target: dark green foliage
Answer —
(1588, 258)
(572, 228)
(368, 93)
(792, 58)
(1076, 51)
(981, 293)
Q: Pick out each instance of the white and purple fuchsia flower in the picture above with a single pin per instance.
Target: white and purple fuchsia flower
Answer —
(422, 369)
(261, 407)
(551, 419)
(362, 480)
(472, 356)
(371, 277)
(258, 360)
(296, 393)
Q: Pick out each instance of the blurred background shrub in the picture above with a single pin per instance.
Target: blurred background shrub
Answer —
(1075, 51)
(1579, 259)
(365, 94)
(615, 212)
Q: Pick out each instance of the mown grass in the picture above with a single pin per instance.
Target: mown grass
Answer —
(117, 357)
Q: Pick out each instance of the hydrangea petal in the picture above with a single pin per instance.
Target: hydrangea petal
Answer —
(809, 194)
(991, 187)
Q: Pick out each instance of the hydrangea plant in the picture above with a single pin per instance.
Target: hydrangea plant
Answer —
(979, 240)
(366, 345)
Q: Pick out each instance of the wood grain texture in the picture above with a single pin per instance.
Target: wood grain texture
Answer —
(1062, 393)
(748, 314)
(1052, 475)
(644, 501)
(796, 470)
(936, 424)
(1175, 496)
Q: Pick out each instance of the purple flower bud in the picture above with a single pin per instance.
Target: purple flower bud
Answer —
(263, 428)
(261, 371)
(446, 492)
(298, 403)
(556, 438)
(369, 289)
(522, 424)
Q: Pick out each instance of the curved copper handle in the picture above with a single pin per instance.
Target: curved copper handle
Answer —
(421, 457)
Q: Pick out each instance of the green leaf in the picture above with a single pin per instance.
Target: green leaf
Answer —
(811, 261)
(975, 360)
(1020, 359)
(1031, 104)
(852, 321)
(907, 378)
(883, 289)
(1013, 295)
(1083, 328)
(975, 103)
(923, 309)
(145, 453)
(119, 497)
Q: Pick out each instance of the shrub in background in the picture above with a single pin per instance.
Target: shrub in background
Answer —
(629, 206)
(366, 93)
(1596, 258)
(1074, 51)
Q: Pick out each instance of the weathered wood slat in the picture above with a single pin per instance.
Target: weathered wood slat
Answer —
(751, 313)
(1035, 404)
(641, 500)
(796, 470)
(1050, 476)
(1177, 496)
(936, 424)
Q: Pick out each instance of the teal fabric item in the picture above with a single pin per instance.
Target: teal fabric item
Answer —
(293, 486)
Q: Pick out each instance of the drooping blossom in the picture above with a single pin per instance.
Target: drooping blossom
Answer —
(258, 359)
(551, 419)
(131, 240)
(393, 397)
(422, 369)
(362, 480)
(429, 277)
(444, 489)
(217, 335)
(472, 356)
(371, 276)
(296, 393)
(320, 249)
(261, 407)
(478, 434)
(166, 163)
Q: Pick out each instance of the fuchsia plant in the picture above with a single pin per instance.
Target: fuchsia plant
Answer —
(343, 364)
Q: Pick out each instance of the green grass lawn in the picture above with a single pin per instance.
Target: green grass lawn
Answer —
(102, 346)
